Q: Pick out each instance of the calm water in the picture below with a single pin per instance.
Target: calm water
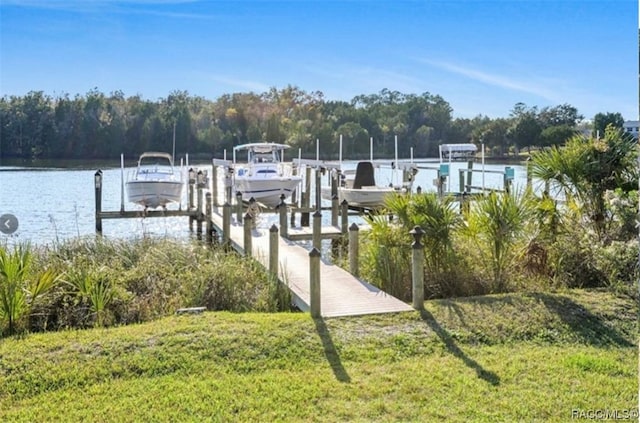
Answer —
(56, 204)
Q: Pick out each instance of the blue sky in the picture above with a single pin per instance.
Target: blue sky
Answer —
(481, 56)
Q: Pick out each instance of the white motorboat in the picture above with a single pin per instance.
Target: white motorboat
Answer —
(155, 183)
(359, 188)
(265, 177)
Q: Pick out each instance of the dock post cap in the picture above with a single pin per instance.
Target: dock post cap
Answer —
(354, 227)
(417, 233)
(314, 252)
(273, 228)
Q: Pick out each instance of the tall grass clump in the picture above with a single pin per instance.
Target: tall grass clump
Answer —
(384, 260)
(114, 282)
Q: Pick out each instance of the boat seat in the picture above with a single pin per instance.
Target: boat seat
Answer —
(364, 176)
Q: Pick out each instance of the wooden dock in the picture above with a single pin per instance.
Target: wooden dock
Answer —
(342, 294)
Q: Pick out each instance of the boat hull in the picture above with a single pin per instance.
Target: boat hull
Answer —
(370, 197)
(266, 190)
(153, 194)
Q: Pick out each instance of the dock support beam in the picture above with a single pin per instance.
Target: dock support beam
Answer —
(314, 283)
(417, 268)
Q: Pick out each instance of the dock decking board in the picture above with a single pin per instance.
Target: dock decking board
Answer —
(342, 294)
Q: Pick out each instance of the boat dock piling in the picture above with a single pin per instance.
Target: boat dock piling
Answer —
(195, 211)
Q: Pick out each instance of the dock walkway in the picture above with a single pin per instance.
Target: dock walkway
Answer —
(342, 294)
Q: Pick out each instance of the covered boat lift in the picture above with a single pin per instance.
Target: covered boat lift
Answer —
(449, 152)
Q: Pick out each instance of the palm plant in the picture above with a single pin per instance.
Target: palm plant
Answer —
(494, 226)
(19, 288)
(95, 288)
(586, 168)
(438, 219)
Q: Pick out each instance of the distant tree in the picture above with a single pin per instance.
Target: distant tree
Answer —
(526, 128)
(602, 120)
(562, 115)
(494, 135)
(556, 135)
(355, 140)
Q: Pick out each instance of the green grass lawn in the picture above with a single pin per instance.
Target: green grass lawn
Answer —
(517, 357)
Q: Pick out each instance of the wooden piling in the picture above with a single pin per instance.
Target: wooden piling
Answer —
(199, 196)
(239, 208)
(226, 224)
(306, 197)
(354, 249)
(417, 268)
(317, 230)
(317, 187)
(209, 222)
(191, 202)
(334, 209)
(344, 214)
(282, 210)
(248, 223)
(98, 187)
(469, 176)
(214, 186)
(314, 283)
(273, 250)
(228, 184)
(440, 184)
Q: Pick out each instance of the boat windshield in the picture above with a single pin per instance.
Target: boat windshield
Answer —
(155, 165)
(271, 157)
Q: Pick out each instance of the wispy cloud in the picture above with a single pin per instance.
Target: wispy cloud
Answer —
(530, 86)
(75, 3)
(235, 82)
(113, 6)
(365, 78)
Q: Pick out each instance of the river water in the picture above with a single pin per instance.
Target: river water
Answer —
(55, 204)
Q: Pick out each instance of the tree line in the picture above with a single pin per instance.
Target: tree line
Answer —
(99, 126)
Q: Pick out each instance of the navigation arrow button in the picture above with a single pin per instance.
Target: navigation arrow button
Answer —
(8, 224)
